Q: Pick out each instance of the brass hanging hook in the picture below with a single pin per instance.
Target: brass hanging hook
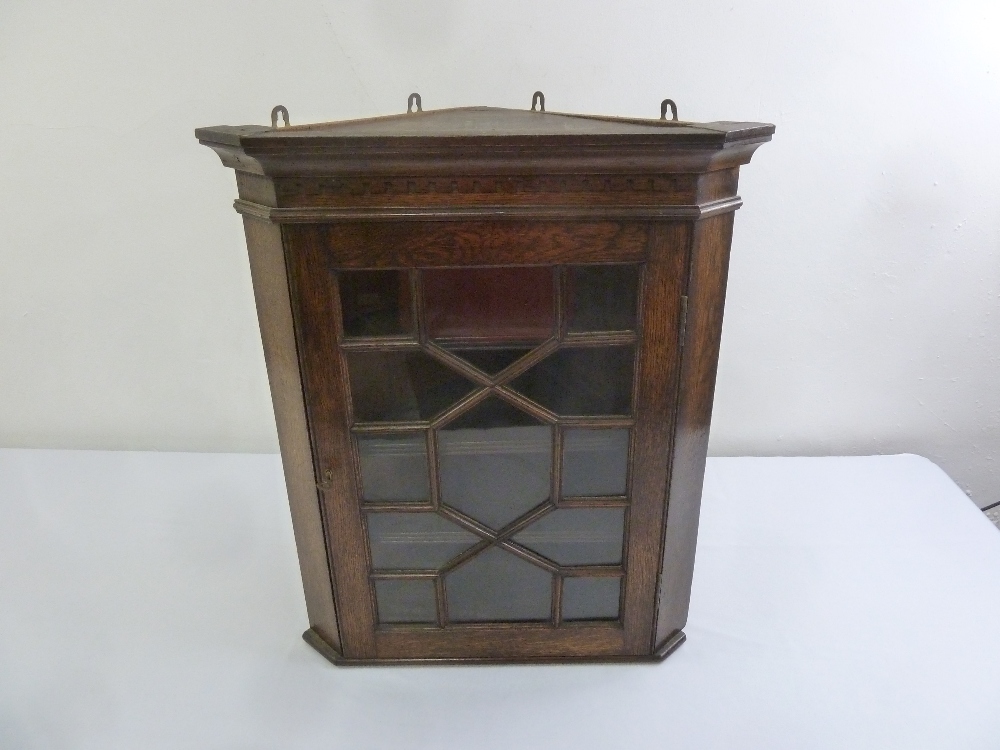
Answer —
(274, 116)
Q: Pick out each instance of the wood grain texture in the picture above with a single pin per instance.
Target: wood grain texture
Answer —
(353, 191)
(715, 186)
(449, 144)
(493, 124)
(274, 312)
(404, 244)
(327, 651)
(706, 291)
(500, 642)
(490, 126)
(316, 308)
(656, 375)
(474, 188)
(446, 157)
(256, 189)
(490, 212)
(464, 191)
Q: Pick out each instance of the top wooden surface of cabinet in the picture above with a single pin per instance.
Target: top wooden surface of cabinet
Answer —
(491, 338)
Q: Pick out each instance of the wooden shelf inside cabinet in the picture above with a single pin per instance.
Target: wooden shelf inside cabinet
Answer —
(491, 337)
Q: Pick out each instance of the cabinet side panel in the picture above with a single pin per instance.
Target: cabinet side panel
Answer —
(706, 300)
(656, 378)
(270, 286)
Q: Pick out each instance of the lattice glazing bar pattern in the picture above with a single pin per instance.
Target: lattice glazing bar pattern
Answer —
(492, 414)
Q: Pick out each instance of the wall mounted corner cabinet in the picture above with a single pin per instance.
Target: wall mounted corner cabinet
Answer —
(491, 337)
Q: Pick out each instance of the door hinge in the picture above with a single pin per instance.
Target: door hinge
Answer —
(327, 481)
(684, 318)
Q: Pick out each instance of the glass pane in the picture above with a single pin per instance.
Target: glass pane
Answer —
(577, 536)
(405, 600)
(496, 463)
(586, 381)
(590, 598)
(401, 386)
(496, 585)
(595, 462)
(602, 298)
(498, 304)
(393, 467)
(415, 541)
(490, 361)
(376, 303)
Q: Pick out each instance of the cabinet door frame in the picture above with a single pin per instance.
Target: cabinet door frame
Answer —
(315, 252)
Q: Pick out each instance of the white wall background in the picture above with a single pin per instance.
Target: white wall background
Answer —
(863, 298)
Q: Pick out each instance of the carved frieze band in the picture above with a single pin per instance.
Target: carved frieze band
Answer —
(324, 214)
(294, 190)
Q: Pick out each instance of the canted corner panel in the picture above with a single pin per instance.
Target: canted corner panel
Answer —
(656, 377)
(474, 243)
(718, 185)
(270, 284)
(706, 299)
(315, 307)
(255, 188)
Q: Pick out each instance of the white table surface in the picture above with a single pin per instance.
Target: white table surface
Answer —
(152, 600)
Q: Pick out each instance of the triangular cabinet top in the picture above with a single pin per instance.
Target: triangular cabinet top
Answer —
(489, 139)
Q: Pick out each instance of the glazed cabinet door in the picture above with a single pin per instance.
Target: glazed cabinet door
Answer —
(491, 408)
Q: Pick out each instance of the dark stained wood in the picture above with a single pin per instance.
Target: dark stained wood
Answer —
(536, 191)
(474, 190)
(487, 212)
(706, 292)
(489, 141)
(406, 244)
(315, 640)
(499, 641)
(316, 308)
(323, 646)
(256, 189)
(717, 186)
(669, 645)
(480, 187)
(656, 373)
(499, 122)
(270, 284)
(442, 159)
(490, 124)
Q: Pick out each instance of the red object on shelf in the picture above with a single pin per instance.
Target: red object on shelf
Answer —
(510, 304)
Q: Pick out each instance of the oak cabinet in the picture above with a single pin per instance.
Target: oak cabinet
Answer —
(491, 337)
